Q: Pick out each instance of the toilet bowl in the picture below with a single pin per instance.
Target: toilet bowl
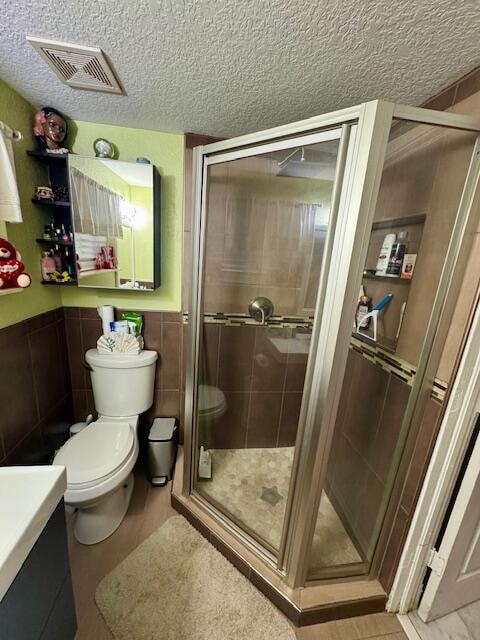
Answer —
(211, 406)
(211, 402)
(100, 458)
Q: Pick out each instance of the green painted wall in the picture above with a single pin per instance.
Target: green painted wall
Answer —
(16, 112)
(165, 150)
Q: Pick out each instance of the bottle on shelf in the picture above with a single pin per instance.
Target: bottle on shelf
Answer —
(384, 255)
(57, 256)
(69, 267)
(47, 265)
(397, 254)
(65, 235)
(364, 307)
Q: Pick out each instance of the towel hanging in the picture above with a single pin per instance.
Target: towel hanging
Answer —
(9, 199)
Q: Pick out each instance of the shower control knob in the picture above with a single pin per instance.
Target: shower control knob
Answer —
(261, 309)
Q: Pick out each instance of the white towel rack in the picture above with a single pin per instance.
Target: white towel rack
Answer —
(15, 134)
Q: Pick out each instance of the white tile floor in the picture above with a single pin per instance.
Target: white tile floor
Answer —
(463, 624)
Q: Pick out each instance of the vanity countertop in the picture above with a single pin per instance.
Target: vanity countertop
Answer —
(28, 497)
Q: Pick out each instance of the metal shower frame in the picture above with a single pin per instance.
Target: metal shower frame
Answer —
(363, 132)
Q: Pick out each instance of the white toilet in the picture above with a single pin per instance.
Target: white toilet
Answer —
(212, 405)
(100, 458)
(211, 402)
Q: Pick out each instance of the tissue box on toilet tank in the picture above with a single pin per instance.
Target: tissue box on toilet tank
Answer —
(124, 343)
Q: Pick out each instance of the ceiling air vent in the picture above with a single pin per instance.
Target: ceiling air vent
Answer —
(79, 67)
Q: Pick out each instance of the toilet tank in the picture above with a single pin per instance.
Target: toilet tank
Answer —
(123, 385)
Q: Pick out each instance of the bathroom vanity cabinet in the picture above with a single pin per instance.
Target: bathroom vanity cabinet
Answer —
(36, 596)
(39, 604)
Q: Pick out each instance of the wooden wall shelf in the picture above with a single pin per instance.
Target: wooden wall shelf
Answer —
(61, 243)
(49, 158)
(53, 283)
(52, 204)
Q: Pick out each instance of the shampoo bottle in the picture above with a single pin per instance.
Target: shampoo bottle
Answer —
(364, 307)
(397, 254)
(384, 255)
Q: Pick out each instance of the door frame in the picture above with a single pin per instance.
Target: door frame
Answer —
(451, 446)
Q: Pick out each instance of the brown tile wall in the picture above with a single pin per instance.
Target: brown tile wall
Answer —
(463, 88)
(413, 467)
(35, 394)
(366, 436)
(162, 333)
(263, 388)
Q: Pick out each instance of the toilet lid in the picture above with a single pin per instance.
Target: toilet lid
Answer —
(210, 399)
(96, 451)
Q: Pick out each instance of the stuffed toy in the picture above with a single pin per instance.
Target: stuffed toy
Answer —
(12, 274)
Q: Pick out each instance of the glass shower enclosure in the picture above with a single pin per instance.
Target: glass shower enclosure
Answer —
(309, 359)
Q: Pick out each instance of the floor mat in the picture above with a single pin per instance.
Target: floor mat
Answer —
(177, 586)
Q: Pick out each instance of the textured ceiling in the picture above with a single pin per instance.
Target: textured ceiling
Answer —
(226, 67)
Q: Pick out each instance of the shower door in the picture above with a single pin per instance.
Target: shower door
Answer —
(267, 212)
(273, 233)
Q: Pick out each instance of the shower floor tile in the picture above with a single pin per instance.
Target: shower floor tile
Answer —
(252, 485)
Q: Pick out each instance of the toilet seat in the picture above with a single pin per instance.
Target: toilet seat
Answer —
(211, 401)
(94, 454)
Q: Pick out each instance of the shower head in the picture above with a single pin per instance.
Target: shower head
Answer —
(286, 160)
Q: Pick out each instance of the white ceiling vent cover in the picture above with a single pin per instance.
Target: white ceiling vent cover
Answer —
(79, 67)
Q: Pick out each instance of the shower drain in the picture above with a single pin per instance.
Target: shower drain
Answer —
(271, 495)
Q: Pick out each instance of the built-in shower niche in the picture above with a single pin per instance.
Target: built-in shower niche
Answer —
(390, 320)
(420, 189)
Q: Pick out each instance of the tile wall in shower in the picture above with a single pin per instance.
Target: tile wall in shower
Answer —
(371, 409)
(262, 379)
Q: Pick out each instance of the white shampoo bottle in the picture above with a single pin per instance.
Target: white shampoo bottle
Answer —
(384, 256)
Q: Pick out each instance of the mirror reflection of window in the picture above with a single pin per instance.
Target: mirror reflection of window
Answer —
(113, 210)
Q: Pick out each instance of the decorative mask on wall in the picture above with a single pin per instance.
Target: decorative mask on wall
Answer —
(50, 128)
